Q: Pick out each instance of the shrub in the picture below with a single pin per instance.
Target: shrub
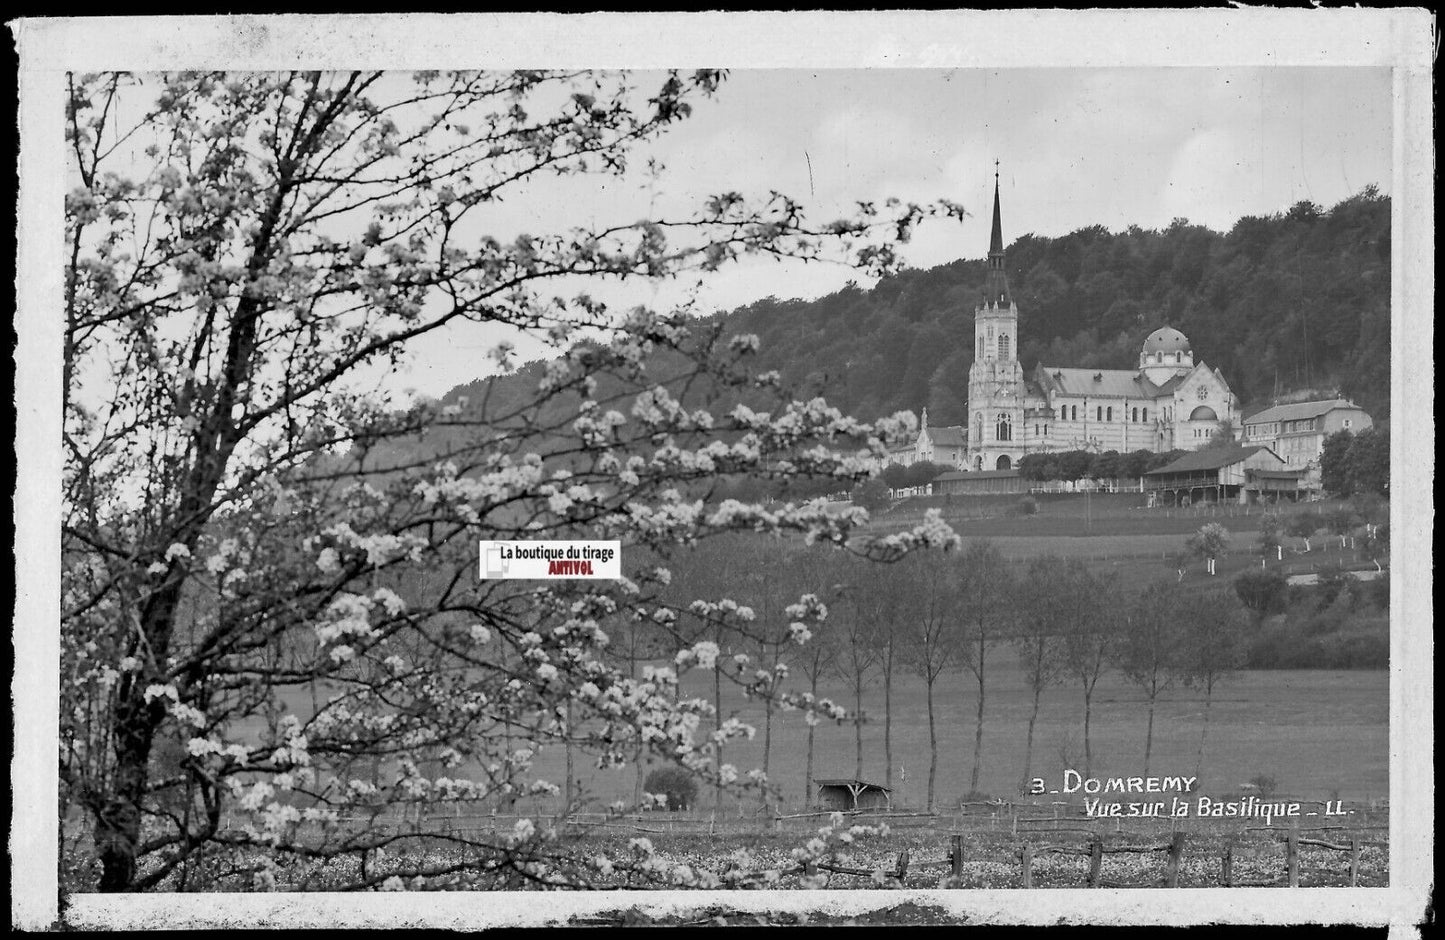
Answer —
(1265, 784)
(1378, 591)
(871, 494)
(1356, 651)
(1263, 591)
(1332, 584)
(1028, 506)
(1331, 619)
(895, 475)
(679, 785)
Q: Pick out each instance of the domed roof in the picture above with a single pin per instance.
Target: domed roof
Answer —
(1166, 339)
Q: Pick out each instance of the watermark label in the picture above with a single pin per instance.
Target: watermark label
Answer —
(1099, 802)
(550, 559)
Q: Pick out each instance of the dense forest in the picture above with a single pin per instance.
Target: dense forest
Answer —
(1299, 299)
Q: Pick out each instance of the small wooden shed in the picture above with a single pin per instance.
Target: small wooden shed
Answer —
(852, 794)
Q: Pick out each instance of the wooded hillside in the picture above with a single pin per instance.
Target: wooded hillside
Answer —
(1298, 299)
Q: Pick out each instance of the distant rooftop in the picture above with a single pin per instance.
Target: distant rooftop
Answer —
(1213, 458)
(850, 782)
(953, 436)
(1299, 411)
(975, 475)
(1098, 383)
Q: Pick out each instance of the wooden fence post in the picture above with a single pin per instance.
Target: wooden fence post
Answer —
(1096, 860)
(1027, 862)
(955, 857)
(1354, 861)
(1176, 851)
(1226, 867)
(1292, 857)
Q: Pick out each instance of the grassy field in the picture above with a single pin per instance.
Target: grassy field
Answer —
(1115, 532)
(1321, 735)
(1072, 514)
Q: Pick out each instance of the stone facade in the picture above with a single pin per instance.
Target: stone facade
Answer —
(1297, 431)
(1170, 402)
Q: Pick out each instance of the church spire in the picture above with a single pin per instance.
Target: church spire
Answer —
(995, 241)
(996, 289)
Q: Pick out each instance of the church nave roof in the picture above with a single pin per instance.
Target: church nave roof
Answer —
(1096, 383)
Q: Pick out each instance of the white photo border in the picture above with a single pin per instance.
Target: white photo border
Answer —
(1400, 39)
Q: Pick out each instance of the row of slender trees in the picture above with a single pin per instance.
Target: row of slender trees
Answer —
(938, 614)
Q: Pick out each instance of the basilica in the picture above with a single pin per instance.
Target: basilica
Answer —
(1169, 402)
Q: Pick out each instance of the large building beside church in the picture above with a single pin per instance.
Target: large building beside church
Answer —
(1169, 402)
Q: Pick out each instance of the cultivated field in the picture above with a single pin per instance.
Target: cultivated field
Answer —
(1321, 735)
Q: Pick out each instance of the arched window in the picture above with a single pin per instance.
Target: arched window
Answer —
(1004, 463)
(1146, 414)
(1003, 428)
(1003, 346)
(1074, 412)
(978, 462)
(1178, 358)
(1135, 416)
(1098, 412)
(1203, 413)
(1109, 413)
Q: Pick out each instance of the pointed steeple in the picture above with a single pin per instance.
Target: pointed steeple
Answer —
(996, 288)
(995, 241)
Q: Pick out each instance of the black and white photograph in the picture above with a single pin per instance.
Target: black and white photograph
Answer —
(724, 470)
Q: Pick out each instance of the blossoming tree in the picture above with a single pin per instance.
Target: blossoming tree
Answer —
(274, 638)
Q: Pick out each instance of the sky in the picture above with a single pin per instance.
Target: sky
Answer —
(1076, 147)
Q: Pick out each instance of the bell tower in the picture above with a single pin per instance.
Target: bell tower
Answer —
(995, 380)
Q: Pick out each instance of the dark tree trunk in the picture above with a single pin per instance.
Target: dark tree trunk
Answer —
(1029, 744)
(858, 730)
(888, 722)
(717, 725)
(932, 747)
(808, 776)
(118, 818)
(1149, 734)
(567, 792)
(1204, 731)
(641, 750)
(1088, 744)
(767, 743)
(118, 812)
(978, 728)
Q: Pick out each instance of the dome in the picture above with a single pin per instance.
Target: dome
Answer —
(1166, 339)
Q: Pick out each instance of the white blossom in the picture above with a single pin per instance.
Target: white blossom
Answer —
(706, 653)
(328, 561)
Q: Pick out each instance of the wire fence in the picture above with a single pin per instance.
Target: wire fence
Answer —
(995, 816)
